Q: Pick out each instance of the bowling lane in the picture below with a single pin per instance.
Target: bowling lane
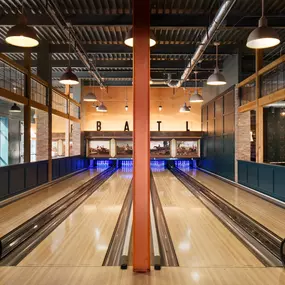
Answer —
(199, 238)
(83, 238)
(264, 212)
(18, 212)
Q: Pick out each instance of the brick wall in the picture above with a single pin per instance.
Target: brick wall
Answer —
(42, 135)
(75, 139)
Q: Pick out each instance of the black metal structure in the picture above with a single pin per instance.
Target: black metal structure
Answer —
(100, 27)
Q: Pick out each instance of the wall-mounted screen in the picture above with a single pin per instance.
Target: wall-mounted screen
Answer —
(187, 148)
(124, 148)
(160, 148)
(99, 148)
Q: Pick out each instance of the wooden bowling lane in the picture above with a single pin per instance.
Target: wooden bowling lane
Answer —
(109, 275)
(18, 212)
(199, 238)
(83, 238)
(264, 212)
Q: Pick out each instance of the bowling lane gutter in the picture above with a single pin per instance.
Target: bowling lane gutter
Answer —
(115, 249)
(265, 245)
(18, 243)
(167, 250)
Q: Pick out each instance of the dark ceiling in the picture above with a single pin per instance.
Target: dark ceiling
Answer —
(101, 26)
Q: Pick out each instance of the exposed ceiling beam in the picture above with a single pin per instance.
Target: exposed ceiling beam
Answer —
(157, 20)
(101, 64)
(120, 48)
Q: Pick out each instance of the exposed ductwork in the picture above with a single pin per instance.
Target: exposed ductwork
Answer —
(66, 28)
(217, 21)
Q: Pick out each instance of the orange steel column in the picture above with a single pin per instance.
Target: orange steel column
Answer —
(141, 137)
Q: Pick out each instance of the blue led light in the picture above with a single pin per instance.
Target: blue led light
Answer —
(184, 165)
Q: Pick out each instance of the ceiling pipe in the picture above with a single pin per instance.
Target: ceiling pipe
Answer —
(55, 14)
(217, 21)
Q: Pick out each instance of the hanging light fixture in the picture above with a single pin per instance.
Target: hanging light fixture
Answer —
(90, 96)
(126, 99)
(95, 106)
(22, 35)
(129, 40)
(68, 77)
(159, 108)
(263, 36)
(184, 109)
(15, 109)
(102, 108)
(217, 78)
(196, 97)
(282, 112)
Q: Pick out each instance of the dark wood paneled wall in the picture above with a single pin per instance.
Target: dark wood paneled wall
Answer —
(218, 143)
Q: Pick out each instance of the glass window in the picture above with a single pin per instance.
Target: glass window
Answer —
(11, 133)
(247, 93)
(246, 140)
(60, 135)
(11, 79)
(59, 102)
(39, 92)
(75, 138)
(39, 135)
(274, 133)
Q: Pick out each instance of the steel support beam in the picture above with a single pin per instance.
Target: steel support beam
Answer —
(157, 20)
(141, 137)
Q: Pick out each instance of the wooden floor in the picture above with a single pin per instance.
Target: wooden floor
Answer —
(114, 275)
(83, 238)
(199, 238)
(266, 213)
(18, 212)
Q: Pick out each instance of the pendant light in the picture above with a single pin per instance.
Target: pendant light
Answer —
(217, 78)
(90, 96)
(263, 36)
(22, 35)
(196, 97)
(129, 40)
(15, 109)
(102, 108)
(159, 108)
(126, 98)
(68, 77)
(184, 109)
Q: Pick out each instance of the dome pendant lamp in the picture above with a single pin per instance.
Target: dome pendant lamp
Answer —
(68, 77)
(217, 78)
(15, 109)
(263, 36)
(129, 40)
(90, 96)
(102, 108)
(22, 35)
(196, 97)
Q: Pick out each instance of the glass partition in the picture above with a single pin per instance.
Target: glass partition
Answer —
(59, 102)
(11, 79)
(273, 80)
(39, 135)
(247, 93)
(11, 133)
(75, 138)
(60, 133)
(274, 133)
(38, 92)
